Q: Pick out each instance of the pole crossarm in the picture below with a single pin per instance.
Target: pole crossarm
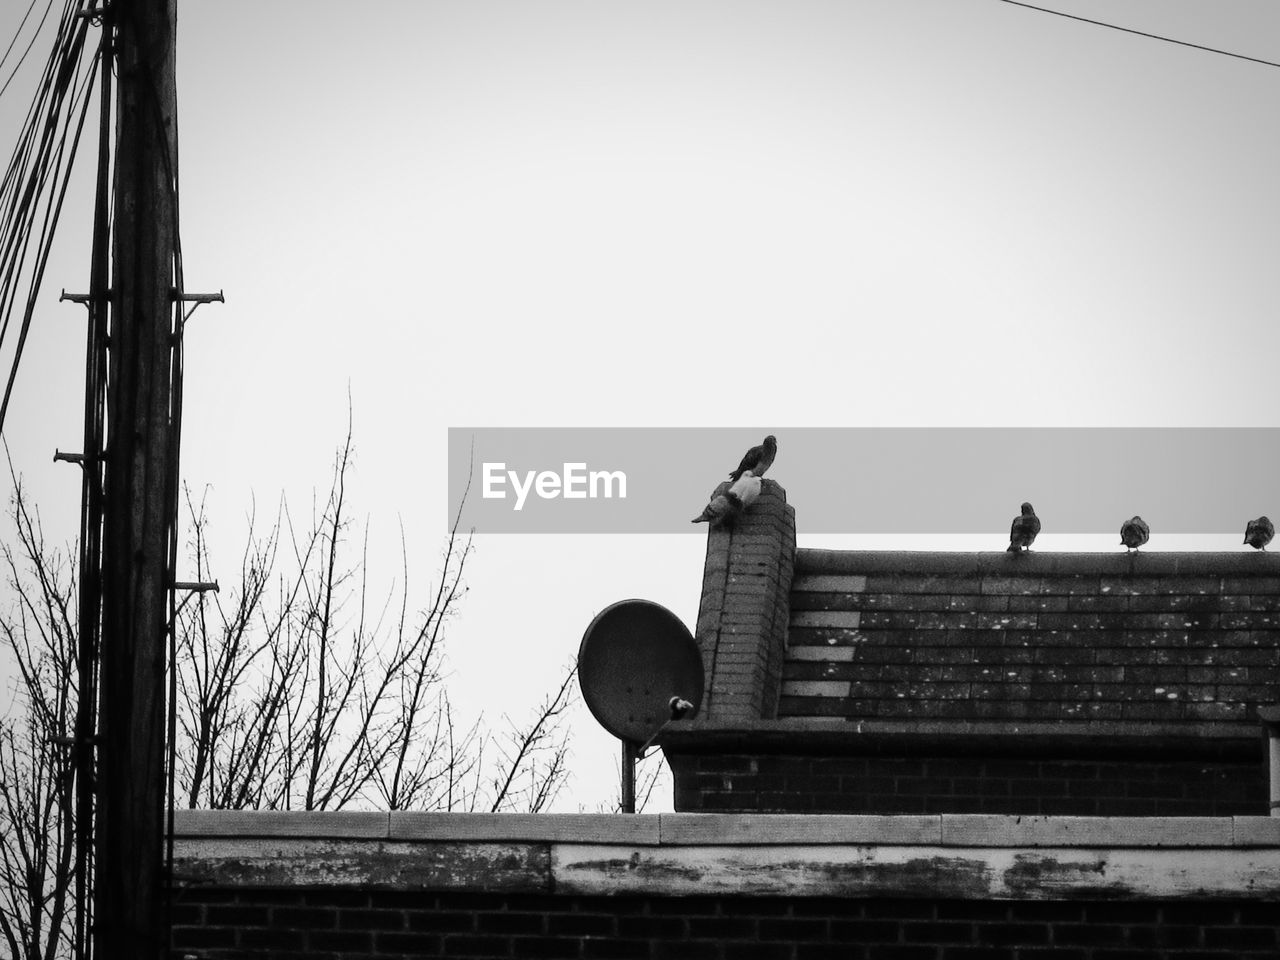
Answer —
(194, 587)
(198, 298)
(83, 298)
(195, 299)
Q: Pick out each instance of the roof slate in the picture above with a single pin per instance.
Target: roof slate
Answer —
(1150, 637)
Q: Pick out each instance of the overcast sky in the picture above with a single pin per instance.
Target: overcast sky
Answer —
(713, 214)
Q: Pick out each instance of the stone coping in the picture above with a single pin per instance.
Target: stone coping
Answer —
(715, 829)
(977, 857)
(1245, 562)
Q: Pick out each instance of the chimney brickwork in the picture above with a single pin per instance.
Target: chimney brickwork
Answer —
(745, 609)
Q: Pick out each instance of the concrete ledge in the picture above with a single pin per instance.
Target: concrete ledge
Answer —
(284, 862)
(982, 830)
(692, 829)
(1256, 832)
(966, 856)
(418, 825)
(560, 827)
(927, 872)
(730, 829)
(280, 823)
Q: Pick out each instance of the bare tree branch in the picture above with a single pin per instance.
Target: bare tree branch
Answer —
(37, 803)
(292, 690)
(525, 750)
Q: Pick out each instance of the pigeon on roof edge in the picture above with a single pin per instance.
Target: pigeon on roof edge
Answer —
(1024, 529)
(1258, 533)
(1134, 533)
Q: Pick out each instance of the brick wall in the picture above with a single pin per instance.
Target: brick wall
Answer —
(718, 782)
(219, 924)
(944, 887)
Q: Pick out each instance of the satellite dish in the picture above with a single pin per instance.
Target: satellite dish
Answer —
(635, 656)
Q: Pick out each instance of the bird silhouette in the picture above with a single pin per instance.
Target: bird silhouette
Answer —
(757, 459)
(1024, 529)
(680, 708)
(725, 507)
(1134, 533)
(1258, 533)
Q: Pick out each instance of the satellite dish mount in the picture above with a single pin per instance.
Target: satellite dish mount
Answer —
(639, 668)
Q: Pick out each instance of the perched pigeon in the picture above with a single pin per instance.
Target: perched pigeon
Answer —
(747, 487)
(757, 459)
(1134, 533)
(1023, 532)
(1259, 532)
(724, 508)
(680, 708)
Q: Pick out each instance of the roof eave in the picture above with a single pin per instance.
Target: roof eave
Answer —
(1044, 739)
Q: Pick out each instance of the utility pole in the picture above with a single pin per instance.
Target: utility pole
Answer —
(91, 462)
(138, 495)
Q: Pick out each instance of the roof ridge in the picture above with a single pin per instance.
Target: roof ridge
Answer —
(1001, 563)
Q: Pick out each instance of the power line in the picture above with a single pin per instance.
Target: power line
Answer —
(39, 174)
(5, 58)
(1142, 33)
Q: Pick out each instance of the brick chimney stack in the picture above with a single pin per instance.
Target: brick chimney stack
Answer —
(745, 608)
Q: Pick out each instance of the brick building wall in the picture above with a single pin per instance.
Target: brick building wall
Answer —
(799, 783)
(221, 923)
(363, 886)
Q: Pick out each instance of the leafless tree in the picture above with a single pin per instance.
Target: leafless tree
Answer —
(532, 756)
(37, 803)
(300, 692)
(652, 772)
(292, 691)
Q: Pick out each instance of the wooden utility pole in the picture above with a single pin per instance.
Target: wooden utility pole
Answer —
(92, 461)
(138, 496)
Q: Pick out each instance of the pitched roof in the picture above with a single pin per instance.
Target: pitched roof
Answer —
(1180, 640)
